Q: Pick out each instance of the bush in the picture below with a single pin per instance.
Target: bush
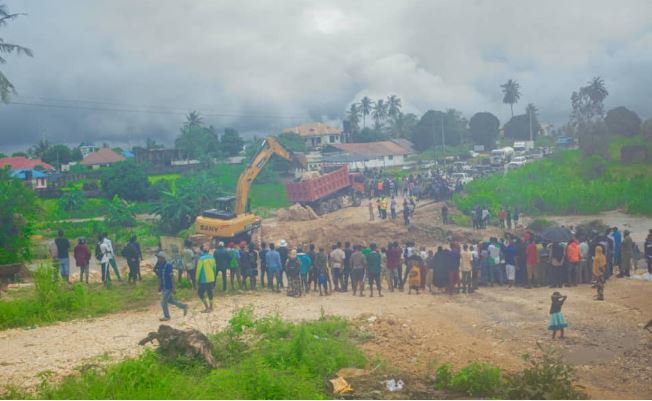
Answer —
(52, 300)
(126, 179)
(261, 359)
(546, 378)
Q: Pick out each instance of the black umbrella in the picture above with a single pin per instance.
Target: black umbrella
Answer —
(557, 234)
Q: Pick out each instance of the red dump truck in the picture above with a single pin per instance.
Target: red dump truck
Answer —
(331, 191)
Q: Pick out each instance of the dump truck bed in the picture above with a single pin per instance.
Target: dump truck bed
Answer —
(318, 188)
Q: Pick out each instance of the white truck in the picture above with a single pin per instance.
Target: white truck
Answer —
(521, 147)
(501, 156)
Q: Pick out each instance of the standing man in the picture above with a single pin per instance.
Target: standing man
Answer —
(346, 271)
(393, 265)
(444, 215)
(648, 251)
(466, 267)
(358, 266)
(82, 259)
(63, 251)
(392, 206)
(166, 278)
(337, 257)
(133, 255)
(573, 257)
(205, 277)
(283, 252)
(626, 255)
(222, 259)
(263, 263)
(189, 263)
(273, 264)
(374, 269)
(406, 213)
(370, 206)
(532, 258)
(111, 254)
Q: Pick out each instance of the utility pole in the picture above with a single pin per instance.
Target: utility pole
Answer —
(443, 141)
(530, 115)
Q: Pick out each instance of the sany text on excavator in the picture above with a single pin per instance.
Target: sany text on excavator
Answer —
(232, 220)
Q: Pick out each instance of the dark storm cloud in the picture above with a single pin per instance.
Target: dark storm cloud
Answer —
(263, 65)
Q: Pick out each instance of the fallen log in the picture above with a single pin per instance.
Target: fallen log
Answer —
(189, 343)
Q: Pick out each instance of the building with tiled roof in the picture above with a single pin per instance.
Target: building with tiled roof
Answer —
(102, 158)
(317, 135)
(370, 154)
(23, 163)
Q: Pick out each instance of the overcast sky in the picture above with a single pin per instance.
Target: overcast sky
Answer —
(259, 66)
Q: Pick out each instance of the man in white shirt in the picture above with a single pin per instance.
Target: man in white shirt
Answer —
(109, 254)
(336, 259)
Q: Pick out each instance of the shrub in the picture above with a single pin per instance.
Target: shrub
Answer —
(274, 359)
(545, 378)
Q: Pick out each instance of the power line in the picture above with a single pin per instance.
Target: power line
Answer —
(152, 110)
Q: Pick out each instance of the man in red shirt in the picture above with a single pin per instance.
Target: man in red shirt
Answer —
(532, 259)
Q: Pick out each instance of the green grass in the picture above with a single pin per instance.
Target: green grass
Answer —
(146, 232)
(565, 184)
(259, 359)
(545, 378)
(172, 178)
(51, 300)
(270, 195)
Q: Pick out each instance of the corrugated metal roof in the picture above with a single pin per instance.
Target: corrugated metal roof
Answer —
(314, 129)
(102, 156)
(23, 163)
(22, 174)
(374, 149)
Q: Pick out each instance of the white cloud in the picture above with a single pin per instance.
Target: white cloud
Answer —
(310, 59)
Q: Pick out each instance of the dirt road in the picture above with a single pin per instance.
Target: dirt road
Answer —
(605, 340)
(606, 343)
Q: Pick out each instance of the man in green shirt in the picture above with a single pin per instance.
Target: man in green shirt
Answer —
(374, 268)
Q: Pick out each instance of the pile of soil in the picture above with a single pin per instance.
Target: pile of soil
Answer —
(296, 212)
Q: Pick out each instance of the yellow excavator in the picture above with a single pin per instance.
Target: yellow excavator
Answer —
(232, 220)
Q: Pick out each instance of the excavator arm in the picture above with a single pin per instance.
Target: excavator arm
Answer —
(269, 147)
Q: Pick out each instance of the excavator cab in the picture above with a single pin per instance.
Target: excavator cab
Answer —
(223, 211)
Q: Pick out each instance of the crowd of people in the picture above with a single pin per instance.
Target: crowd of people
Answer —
(361, 268)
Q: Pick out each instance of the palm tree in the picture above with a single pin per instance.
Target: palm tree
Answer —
(511, 94)
(379, 113)
(6, 88)
(393, 106)
(365, 107)
(532, 110)
(597, 92)
(193, 119)
(39, 149)
(354, 116)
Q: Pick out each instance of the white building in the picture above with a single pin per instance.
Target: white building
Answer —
(370, 155)
(317, 135)
(87, 148)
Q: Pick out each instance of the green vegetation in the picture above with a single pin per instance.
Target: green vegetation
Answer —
(17, 208)
(127, 180)
(52, 300)
(545, 378)
(566, 184)
(260, 359)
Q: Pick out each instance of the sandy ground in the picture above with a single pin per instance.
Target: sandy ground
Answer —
(605, 342)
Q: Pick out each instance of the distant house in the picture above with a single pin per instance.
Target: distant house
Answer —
(128, 154)
(157, 157)
(87, 148)
(23, 163)
(370, 155)
(33, 179)
(102, 158)
(317, 135)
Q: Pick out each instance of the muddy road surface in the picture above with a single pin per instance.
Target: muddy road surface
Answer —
(605, 340)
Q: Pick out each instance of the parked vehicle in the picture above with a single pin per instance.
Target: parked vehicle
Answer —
(520, 147)
(464, 178)
(501, 156)
(329, 192)
(519, 159)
